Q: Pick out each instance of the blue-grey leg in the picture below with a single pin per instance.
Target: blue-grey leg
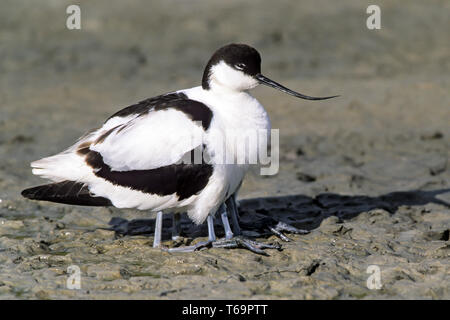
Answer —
(158, 230)
(226, 223)
(241, 242)
(176, 226)
(211, 233)
(282, 226)
(229, 242)
(202, 244)
(232, 207)
(277, 230)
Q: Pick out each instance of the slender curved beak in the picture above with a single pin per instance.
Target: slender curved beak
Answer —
(266, 81)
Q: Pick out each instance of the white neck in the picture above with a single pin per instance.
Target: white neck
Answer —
(225, 79)
(216, 88)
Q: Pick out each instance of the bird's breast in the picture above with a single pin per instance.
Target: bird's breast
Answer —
(237, 137)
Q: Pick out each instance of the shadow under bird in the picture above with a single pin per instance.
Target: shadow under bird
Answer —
(134, 159)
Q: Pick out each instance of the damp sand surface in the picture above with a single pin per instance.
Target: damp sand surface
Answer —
(367, 173)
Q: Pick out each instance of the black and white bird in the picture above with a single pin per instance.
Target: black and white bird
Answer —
(134, 160)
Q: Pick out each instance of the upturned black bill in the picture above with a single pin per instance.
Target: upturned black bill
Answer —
(266, 81)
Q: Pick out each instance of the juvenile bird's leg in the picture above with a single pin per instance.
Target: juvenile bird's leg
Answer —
(226, 224)
(231, 242)
(244, 243)
(176, 226)
(231, 204)
(158, 230)
(201, 244)
(282, 226)
(232, 235)
(277, 230)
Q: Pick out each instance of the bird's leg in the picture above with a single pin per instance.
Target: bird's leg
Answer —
(201, 244)
(176, 226)
(277, 230)
(211, 233)
(241, 242)
(158, 230)
(282, 226)
(231, 204)
(226, 223)
(231, 242)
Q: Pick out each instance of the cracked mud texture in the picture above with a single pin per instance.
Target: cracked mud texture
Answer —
(366, 173)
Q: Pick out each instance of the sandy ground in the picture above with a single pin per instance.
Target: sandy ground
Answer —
(366, 173)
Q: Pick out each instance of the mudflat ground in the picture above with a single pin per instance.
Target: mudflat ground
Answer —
(367, 173)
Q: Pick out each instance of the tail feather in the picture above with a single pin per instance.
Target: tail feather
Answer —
(67, 192)
(61, 167)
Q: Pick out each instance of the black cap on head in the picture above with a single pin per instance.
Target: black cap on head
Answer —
(239, 56)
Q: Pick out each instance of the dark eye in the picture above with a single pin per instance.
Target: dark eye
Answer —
(239, 66)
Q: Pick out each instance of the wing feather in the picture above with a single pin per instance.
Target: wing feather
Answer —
(156, 139)
(148, 139)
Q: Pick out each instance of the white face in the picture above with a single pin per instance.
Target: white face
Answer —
(223, 75)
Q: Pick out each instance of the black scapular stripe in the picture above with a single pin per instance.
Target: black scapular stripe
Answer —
(182, 179)
(196, 110)
(67, 192)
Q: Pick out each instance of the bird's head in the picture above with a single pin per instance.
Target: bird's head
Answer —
(237, 67)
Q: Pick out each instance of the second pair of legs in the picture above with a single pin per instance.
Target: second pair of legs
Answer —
(233, 235)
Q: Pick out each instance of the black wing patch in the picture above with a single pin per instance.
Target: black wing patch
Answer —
(183, 179)
(146, 105)
(67, 192)
(196, 110)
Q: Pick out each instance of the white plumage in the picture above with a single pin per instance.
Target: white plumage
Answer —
(134, 159)
(161, 138)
